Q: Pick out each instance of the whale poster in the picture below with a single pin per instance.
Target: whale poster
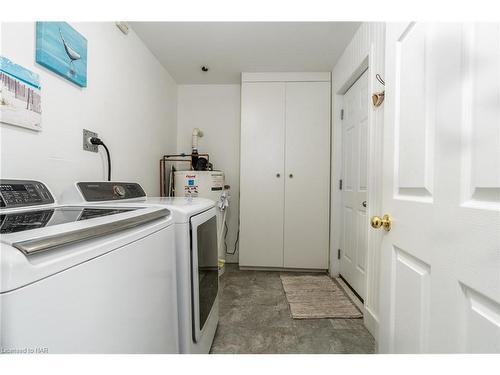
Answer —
(20, 96)
(63, 50)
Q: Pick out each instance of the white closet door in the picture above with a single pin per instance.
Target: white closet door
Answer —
(262, 174)
(307, 169)
(354, 185)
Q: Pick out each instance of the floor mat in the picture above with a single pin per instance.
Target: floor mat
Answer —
(317, 296)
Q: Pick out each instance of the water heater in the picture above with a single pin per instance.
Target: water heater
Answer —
(204, 184)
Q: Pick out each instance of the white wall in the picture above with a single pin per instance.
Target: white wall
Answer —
(215, 109)
(130, 101)
(366, 50)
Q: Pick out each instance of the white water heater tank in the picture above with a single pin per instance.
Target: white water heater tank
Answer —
(204, 184)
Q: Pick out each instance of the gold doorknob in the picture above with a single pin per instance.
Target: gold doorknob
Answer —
(384, 221)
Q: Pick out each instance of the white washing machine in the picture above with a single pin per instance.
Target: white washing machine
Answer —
(196, 254)
(78, 279)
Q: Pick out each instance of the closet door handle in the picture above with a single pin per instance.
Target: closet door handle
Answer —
(290, 175)
(278, 175)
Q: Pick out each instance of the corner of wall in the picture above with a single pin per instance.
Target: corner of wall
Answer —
(130, 100)
(367, 45)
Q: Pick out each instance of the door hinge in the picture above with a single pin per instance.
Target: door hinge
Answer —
(341, 114)
(338, 254)
(340, 184)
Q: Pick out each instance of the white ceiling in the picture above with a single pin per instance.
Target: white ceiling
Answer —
(229, 48)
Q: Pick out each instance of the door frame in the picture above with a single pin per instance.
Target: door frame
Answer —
(342, 79)
(350, 273)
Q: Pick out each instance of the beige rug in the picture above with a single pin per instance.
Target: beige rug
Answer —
(317, 296)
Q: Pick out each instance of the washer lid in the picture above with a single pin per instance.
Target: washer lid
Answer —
(20, 221)
(30, 255)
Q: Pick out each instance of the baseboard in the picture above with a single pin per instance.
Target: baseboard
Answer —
(354, 298)
(371, 323)
(246, 268)
(369, 319)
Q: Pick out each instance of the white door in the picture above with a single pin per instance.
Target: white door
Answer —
(307, 174)
(262, 174)
(440, 263)
(354, 185)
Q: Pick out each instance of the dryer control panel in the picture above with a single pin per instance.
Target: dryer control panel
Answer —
(22, 193)
(110, 191)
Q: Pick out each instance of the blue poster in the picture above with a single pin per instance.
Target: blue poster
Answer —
(63, 50)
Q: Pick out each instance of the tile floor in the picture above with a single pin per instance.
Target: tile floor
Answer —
(255, 318)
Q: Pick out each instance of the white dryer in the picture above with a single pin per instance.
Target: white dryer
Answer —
(196, 254)
(210, 185)
(78, 279)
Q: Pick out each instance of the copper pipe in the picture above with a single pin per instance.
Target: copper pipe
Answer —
(171, 157)
(162, 178)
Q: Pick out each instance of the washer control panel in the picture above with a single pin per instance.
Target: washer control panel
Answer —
(109, 191)
(22, 193)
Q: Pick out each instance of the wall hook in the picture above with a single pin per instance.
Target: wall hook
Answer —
(378, 98)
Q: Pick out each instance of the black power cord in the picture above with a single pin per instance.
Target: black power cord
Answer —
(97, 141)
(235, 243)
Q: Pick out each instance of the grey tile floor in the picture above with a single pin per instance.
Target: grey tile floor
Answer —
(255, 318)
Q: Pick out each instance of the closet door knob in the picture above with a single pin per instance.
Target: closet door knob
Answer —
(290, 175)
(278, 175)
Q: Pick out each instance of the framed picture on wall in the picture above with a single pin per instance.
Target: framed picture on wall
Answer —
(63, 50)
(20, 96)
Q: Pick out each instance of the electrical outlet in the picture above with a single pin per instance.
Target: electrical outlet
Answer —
(87, 146)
